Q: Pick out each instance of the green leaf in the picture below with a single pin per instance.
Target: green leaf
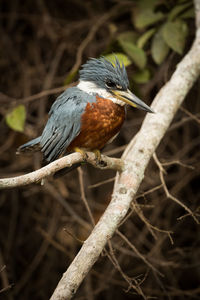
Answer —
(136, 54)
(145, 37)
(121, 57)
(159, 49)
(177, 10)
(16, 118)
(174, 35)
(142, 76)
(147, 4)
(127, 36)
(144, 14)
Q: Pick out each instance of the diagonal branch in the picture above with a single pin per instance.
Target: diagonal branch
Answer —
(136, 158)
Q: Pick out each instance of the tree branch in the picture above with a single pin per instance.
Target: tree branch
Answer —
(66, 161)
(136, 158)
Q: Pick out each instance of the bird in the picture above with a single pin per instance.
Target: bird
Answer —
(89, 115)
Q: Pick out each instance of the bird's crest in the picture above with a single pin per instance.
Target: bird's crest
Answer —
(99, 69)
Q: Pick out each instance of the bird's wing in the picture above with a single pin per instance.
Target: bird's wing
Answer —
(64, 122)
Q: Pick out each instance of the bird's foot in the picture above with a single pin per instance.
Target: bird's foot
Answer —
(82, 152)
(97, 154)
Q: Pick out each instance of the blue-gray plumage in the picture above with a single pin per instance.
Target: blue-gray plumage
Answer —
(64, 122)
(100, 70)
(89, 115)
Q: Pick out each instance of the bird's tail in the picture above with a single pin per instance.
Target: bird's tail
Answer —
(31, 146)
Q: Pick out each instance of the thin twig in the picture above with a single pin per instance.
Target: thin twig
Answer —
(83, 197)
(140, 255)
(129, 280)
(101, 183)
(190, 114)
(168, 194)
(99, 22)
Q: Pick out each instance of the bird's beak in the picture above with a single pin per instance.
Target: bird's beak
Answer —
(129, 98)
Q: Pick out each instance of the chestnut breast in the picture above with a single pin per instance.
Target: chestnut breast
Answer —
(100, 122)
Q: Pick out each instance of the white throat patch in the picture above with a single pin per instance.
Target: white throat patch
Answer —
(92, 89)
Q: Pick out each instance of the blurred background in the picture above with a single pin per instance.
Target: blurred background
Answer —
(43, 44)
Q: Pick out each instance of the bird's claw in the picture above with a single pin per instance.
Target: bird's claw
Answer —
(97, 154)
(82, 152)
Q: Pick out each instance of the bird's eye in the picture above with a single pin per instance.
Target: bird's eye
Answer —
(110, 84)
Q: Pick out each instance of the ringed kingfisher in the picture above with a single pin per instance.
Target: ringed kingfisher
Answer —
(88, 116)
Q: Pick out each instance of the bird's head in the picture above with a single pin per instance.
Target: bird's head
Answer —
(109, 80)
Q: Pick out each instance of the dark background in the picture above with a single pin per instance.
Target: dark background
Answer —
(41, 226)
